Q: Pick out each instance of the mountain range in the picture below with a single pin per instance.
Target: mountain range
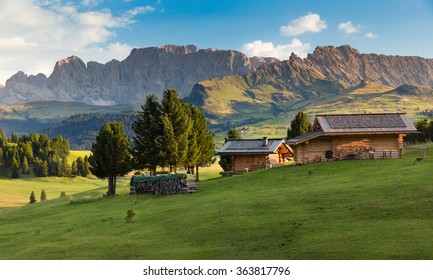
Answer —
(328, 74)
(145, 71)
(232, 89)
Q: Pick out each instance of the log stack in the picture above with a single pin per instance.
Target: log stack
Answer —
(355, 152)
(162, 184)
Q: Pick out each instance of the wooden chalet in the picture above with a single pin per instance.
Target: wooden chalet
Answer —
(354, 136)
(256, 154)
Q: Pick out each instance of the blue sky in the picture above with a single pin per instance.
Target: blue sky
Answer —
(34, 34)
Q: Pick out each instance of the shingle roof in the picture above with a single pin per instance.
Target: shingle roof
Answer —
(305, 137)
(252, 146)
(365, 123)
(349, 124)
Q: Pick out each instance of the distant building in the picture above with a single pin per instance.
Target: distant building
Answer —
(354, 136)
(254, 154)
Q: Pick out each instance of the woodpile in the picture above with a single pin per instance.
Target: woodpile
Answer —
(355, 152)
(163, 184)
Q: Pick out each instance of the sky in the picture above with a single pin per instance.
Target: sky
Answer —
(34, 34)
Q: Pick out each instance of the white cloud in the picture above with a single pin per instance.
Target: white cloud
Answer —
(14, 43)
(308, 23)
(282, 52)
(349, 28)
(34, 34)
(371, 35)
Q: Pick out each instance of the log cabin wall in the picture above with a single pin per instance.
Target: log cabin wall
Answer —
(315, 149)
(248, 161)
(384, 146)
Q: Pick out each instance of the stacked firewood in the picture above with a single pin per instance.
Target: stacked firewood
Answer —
(163, 184)
(355, 152)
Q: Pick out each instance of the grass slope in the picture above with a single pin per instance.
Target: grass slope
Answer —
(370, 209)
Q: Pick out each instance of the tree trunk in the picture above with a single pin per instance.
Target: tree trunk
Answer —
(196, 173)
(111, 185)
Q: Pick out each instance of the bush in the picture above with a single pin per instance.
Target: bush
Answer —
(129, 215)
(63, 194)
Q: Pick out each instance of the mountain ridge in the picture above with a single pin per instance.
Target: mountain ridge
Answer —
(145, 71)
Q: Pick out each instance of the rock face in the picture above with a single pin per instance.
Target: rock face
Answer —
(347, 64)
(152, 70)
(145, 71)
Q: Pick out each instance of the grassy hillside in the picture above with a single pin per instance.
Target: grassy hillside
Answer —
(370, 209)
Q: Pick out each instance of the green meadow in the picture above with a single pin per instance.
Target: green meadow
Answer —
(360, 209)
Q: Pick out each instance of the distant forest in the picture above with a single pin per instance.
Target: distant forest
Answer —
(81, 129)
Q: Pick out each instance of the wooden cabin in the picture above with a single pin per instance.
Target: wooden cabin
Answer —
(354, 136)
(254, 154)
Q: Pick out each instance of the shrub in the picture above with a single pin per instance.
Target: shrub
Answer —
(129, 215)
(63, 194)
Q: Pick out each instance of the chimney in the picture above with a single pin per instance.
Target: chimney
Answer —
(265, 141)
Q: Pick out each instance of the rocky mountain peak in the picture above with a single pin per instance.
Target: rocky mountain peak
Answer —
(180, 49)
(70, 59)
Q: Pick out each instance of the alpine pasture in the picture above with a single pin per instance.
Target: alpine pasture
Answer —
(358, 209)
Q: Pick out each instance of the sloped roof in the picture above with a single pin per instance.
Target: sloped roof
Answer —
(365, 123)
(252, 146)
(351, 124)
(305, 137)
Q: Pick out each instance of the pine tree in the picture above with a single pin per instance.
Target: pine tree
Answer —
(174, 113)
(63, 167)
(201, 144)
(233, 134)
(43, 195)
(3, 138)
(170, 144)
(32, 197)
(148, 141)
(299, 125)
(111, 154)
(25, 166)
(74, 169)
(14, 137)
(15, 164)
(86, 167)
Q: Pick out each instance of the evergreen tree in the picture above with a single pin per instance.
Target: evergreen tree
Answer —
(299, 125)
(86, 168)
(40, 168)
(43, 195)
(226, 162)
(32, 197)
(148, 140)
(3, 138)
(174, 113)
(74, 169)
(14, 137)
(82, 166)
(25, 166)
(201, 144)
(111, 154)
(60, 147)
(15, 164)
(15, 169)
(63, 167)
(170, 144)
(233, 134)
